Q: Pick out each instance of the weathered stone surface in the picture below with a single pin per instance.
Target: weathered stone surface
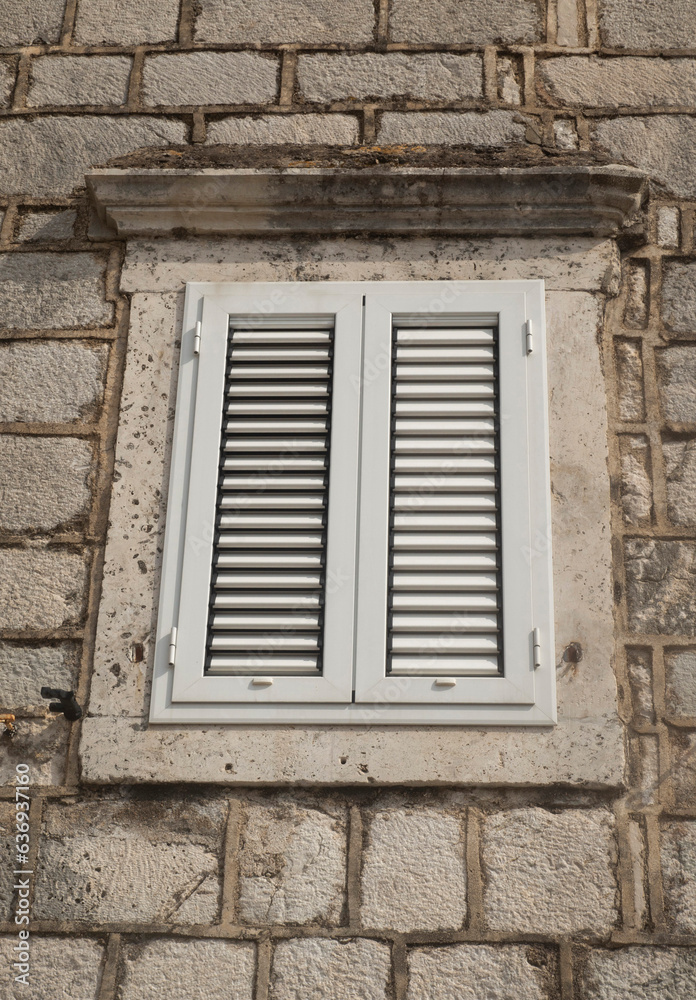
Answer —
(567, 23)
(550, 872)
(46, 482)
(332, 970)
(40, 743)
(668, 220)
(188, 970)
(565, 134)
(414, 873)
(680, 682)
(660, 579)
(210, 78)
(509, 81)
(472, 971)
(429, 76)
(47, 226)
(292, 864)
(629, 374)
(338, 130)
(41, 588)
(493, 129)
(292, 21)
(637, 294)
(636, 482)
(79, 80)
(680, 468)
(639, 666)
(47, 292)
(51, 380)
(641, 974)
(662, 145)
(582, 81)
(682, 777)
(678, 841)
(132, 859)
(679, 295)
(465, 20)
(676, 372)
(49, 156)
(634, 24)
(26, 669)
(61, 968)
(643, 771)
(8, 829)
(25, 22)
(131, 22)
(7, 79)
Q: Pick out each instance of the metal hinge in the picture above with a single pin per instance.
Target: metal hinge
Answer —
(530, 338)
(172, 646)
(536, 648)
(197, 340)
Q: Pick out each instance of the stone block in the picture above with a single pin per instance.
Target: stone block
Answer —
(509, 78)
(428, 76)
(61, 968)
(26, 669)
(668, 220)
(680, 682)
(492, 129)
(29, 22)
(51, 380)
(682, 772)
(332, 130)
(680, 468)
(640, 677)
(50, 291)
(46, 483)
(637, 305)
(676, 379)
(643, 771)
(565, 134)
(7, 80)
(582, 81)
(679, 295)
(466, 21)
(636, 478)
(292, 864)
(40, 743)
(550, 873)
(664, 146)
(79, 80)
(678, 844)
(332, 970)
(313, 21)
(41, 588)
(45, 227)
(634, 24)
(414, 871)
(628, 361)
(473, 971)
(8, 830)
(188, 970)
(131, 22)
(49, 156)
(135, 859)
(210, 78)
(643, 973)
(660, 586)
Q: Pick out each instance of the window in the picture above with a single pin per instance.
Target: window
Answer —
(358, 519)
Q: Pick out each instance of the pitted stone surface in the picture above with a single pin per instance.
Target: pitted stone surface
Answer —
(494, 129)
(7, 80)
(641, 974)
(414, 873)
(79, 80)
(338, 130)
(635, 24)
(465, 21)
(473, 971)
(680, 468)
(680, 677)
(51, 380)
(550, 871)
(130, 22)
(679, 871)
(210, 78)
(639, 666)
(49, 156)
(679, 295)
(582, 81)
(664, 146)
(26, 669)
(292, 21)
(134, 860)
(47, 292)
(668, 221)
(47, 226)
(188, 970)
(41, 588)
(40, 743)
(46, 482)
(637, 294)
(429, 76)
(330, 970)
(26, 22)
(629, 372)
(292, 864)
(676, 371)
(660, 584)
(636, 484)
(61, 968)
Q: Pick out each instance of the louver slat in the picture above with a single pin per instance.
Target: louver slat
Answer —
(267, 600)
(444, 594)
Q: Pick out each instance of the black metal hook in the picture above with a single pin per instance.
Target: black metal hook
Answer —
(66, 703)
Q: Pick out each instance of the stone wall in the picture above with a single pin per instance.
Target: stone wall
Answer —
(145, 892)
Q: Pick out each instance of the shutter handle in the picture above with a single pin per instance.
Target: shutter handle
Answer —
(446, 682)
(261, 681)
